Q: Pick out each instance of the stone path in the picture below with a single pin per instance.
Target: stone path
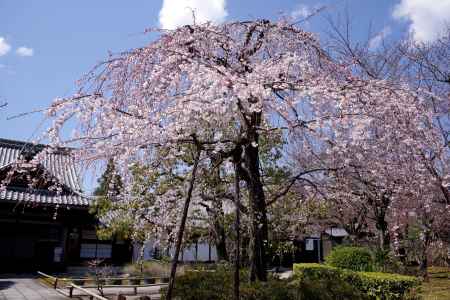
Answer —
(26, 288)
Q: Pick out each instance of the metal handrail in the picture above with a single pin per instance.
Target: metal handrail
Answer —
(45, 275)
(56, 279)
(55, 283)
(91, 295)
(71, 286)
(133, 286)
(111, 278)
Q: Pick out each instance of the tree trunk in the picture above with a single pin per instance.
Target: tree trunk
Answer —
(179, 240)
(220, 237)
(423, 268)
(384, 238)
(217, 219)
(257, 211)
(217, 215)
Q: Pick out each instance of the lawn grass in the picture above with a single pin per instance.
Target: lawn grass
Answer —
(438, 288)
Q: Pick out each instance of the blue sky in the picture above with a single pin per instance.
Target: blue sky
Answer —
(61, 40)
(45, 46)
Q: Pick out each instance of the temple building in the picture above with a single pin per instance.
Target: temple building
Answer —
(45, 222)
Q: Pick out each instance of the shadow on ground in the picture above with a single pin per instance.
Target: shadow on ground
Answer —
(6, 284)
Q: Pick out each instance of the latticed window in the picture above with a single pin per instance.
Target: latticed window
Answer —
(89, 250)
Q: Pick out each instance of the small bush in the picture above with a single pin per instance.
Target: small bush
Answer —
(379, 286)
(387, 262)
(149, 269)
(351, 258)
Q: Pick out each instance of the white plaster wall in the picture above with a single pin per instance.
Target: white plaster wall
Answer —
(188, 255)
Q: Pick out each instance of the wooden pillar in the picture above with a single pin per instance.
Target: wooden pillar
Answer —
(64, 242)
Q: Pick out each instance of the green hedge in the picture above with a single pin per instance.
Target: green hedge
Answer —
(218, 285)
(311, 282)
(383, 286)
(316, 271)
(351, 258)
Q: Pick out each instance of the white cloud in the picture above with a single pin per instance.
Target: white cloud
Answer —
(375, 42)
(428, 18)
(4, 46)
(300, 12)
(175, 13)
(25, 51)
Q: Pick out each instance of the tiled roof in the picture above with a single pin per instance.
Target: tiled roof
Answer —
(42, 197)
(58, 164)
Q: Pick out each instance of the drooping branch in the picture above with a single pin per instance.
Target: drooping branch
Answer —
(290, 183)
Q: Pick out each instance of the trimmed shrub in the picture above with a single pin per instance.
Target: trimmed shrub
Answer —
(351, 258)
(321, 282)
(198, 285)
(218, 285)
(379, 286)
(274, 289)
(311, 282)
(383, 285)
(316, 271)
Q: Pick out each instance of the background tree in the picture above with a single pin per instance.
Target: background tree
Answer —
(423, 68)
